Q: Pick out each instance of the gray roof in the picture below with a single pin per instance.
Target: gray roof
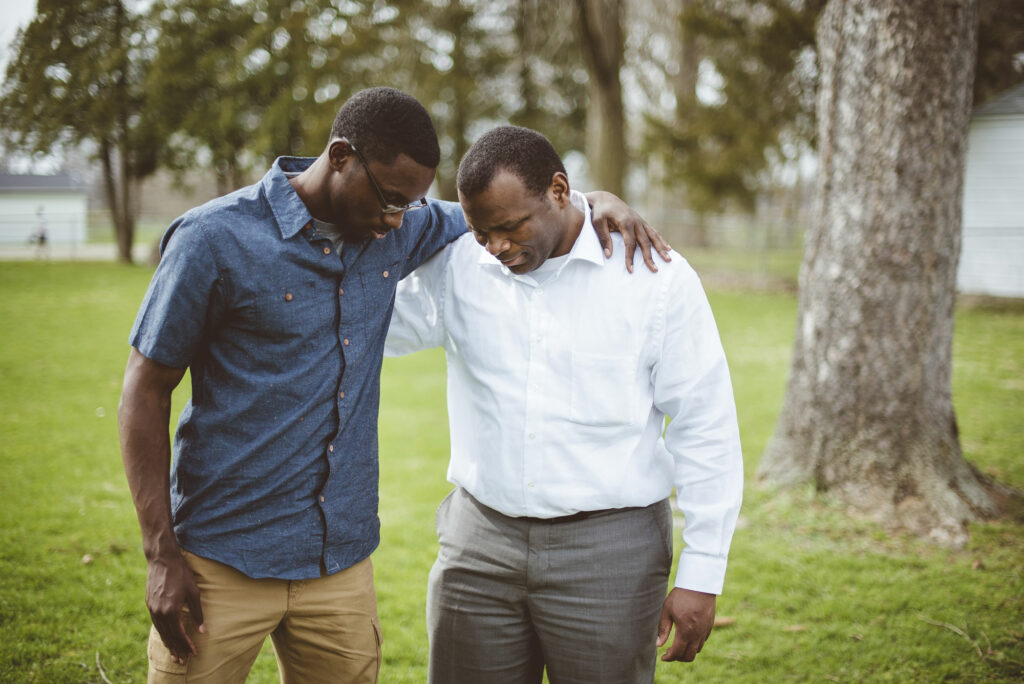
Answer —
(1007, 103)
(10, 182)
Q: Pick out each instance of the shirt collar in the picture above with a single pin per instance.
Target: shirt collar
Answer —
(289, 210)
(586, 248)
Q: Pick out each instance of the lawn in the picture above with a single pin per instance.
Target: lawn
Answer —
(814, 595)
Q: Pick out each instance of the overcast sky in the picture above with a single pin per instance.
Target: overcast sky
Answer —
(13, 15)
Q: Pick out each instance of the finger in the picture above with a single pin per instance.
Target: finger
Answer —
(191, 650)
(677, 650)
(660, 243)
(173, 635)
(692, 649)
(645, 249)
(195, 606)
(629, 242)
(664, 628)
(603, 235)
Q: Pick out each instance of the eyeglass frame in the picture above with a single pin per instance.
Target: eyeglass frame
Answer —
(385, 206)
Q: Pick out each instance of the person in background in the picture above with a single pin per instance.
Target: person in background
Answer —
(40, 237)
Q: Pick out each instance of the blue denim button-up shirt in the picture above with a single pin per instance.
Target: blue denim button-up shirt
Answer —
(275, 459)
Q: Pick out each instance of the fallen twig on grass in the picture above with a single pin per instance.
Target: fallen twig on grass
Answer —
(955, 630)
(100, 668)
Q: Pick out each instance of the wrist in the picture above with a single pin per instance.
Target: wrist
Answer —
(161, 547)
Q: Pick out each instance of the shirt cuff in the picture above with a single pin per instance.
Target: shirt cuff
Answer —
(698, 572)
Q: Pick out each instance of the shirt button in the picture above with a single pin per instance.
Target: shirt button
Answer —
(330, 448)
(288, 296)
(385, 274)
(528, 484)
(327, 250)
(341, 395)
(341, 291)
(321, 498)
(345, 341)
(532, 435)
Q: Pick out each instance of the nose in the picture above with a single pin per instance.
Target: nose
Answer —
(496, 244)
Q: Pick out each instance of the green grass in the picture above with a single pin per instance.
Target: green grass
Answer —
(777, 268)
(815, 594)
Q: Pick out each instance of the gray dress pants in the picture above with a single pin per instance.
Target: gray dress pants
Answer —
(508, 597)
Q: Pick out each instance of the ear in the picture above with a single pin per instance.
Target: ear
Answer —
(559, 189)
(338, 152)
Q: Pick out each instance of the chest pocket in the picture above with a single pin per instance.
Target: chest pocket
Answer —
(603, 389)
(379, 283)
(296, 314)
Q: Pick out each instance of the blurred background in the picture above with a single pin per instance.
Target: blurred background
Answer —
(698, 112)
(116, 116)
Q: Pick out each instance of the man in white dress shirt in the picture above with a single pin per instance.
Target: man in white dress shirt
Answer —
(556, 544)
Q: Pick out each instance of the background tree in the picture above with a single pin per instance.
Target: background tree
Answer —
(721, 150)
(868, 413)
(551, 78)
(1000, 64)
(200, 82)
(602, 40)
(76, 76)
(465, 55)
(762, 53)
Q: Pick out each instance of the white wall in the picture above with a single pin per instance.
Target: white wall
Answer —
(992, 253)
(64, 212)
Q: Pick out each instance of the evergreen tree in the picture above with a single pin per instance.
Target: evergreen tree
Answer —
(77, 75)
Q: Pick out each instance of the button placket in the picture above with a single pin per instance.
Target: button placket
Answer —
(534, 394)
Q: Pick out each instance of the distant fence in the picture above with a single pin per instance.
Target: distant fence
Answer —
(63, 226)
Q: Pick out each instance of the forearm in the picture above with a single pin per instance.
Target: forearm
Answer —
(143, 419)
(694, 389)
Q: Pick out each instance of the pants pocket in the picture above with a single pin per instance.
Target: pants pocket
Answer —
(379, 638)
(161, 667)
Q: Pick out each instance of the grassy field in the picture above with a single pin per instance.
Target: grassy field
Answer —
(814, 594)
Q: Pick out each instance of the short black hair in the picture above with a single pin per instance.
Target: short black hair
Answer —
(521, 151)
(383, 123)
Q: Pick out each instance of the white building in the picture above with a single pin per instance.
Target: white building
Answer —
(56, 202)
(992, 253)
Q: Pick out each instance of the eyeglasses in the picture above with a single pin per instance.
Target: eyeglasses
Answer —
(385, 206)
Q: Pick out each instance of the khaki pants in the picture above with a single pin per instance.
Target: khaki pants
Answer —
(324, 629)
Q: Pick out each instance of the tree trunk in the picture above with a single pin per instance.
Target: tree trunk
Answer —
(685, 82)
(115, 193)
(461, 82)
(125, 227)
(600, 27)
(868, 412)
(528, 91)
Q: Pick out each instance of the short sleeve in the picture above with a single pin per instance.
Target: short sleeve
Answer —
(182, 299)
(430, 229)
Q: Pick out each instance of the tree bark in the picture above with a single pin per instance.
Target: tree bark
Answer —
(685, 87)
(125, 226)
(114, 192)
(602, 37)
(685, 82)
(868, 413)
(460, 81)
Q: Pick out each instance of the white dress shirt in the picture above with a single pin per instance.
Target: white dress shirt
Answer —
(558, 392)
